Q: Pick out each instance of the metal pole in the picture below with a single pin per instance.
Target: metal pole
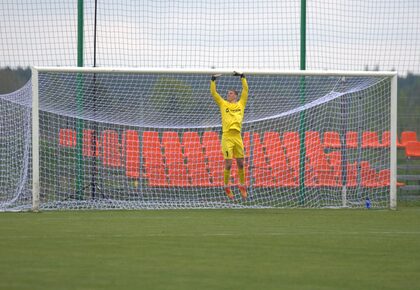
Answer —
(93, 182)
(79, 97)
(302, 125)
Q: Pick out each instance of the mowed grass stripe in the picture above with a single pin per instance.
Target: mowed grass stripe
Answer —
(211, 249)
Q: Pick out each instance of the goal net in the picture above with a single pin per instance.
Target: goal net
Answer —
(98, 138)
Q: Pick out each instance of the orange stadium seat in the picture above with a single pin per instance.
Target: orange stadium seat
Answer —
(384, 177)
(317, 169)
(370, 140)
(312, 138)
(369, 177)
(192, 145)
(351, 174)
(335, 160)
(177, 169)
(291, 141)
(260, 169)
(352, 139)
(213, 153)
(131, 151)
(282, 172)
(153, 159)
(111, 148)
(322, 172)
(407, 136)
(332, 139)
(412, 149)
(316, 165)
(193, 151)
(67, 138)
(385, 140)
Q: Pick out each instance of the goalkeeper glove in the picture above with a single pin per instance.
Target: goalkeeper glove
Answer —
(236, 73)
(214, 77)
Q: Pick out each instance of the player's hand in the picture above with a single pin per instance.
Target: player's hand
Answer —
(214, 77)
(237, 73)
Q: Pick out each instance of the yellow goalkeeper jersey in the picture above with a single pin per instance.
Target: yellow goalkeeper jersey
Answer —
(232, 113)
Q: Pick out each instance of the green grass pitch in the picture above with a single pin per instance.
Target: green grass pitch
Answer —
(211, 249)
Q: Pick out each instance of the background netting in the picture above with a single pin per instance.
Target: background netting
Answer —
(244, 35)
(15, 148)
(235, 34)
(153, 141)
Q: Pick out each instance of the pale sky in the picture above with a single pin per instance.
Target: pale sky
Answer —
(244, 34)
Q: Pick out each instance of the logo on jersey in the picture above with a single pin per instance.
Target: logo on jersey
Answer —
(234, 111)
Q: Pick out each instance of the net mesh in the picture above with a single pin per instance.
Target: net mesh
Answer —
(15, 149)
(348, 35)
(153, 141)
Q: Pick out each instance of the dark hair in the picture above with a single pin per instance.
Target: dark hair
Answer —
(235, 91)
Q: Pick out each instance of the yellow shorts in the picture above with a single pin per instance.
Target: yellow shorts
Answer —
(232, 145)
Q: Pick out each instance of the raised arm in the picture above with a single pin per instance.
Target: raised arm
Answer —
(217, 98)
(244, 94)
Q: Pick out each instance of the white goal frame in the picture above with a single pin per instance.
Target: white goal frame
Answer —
(113, 70)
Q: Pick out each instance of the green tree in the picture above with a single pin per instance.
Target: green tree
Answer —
(13, 79)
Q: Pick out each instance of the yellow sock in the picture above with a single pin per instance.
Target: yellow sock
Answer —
(241, 173)
(226, 175)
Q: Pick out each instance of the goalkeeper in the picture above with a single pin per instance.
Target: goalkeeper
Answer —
(232, 113)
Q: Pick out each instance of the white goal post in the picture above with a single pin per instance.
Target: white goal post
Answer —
(65, 99)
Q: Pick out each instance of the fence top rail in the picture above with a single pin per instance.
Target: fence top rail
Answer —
(132, 70)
